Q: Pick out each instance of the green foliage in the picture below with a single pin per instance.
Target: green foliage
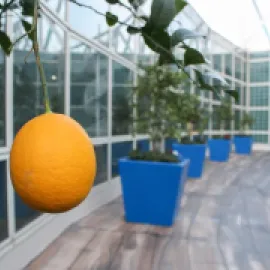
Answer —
(195, 140)
(224, 112)
(111, 19)
(5, 42)
(182, 34)
(162, 13)
(185, 112)
(246, 121)
(112, 2)
(193, 57)
(187, 107)
(154, 94)
(224, 137)
(153, 156)
(153, 29)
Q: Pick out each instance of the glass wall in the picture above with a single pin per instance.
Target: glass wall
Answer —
(102, 164)
(259, 72)
(89, 89)
(228, 64)
(3, 201)
(121, 99)
(119, 150)
(2, 100)
(259, 96)
(260, 120)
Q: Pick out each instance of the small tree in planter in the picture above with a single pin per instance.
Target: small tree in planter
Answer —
(152, 181)
(243, 142)
(219, 146)
(187, 111)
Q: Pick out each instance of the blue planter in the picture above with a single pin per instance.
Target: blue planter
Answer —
(196, 154)
(219, 149)
(243, 145)
(152, 190)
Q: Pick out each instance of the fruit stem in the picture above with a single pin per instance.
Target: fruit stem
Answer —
(39, 64)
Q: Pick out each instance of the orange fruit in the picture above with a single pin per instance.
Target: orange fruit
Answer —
(52, 163)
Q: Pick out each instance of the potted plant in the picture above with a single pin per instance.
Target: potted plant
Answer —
(152, 181)
(220, 146)
(188, 112)
(243, 142)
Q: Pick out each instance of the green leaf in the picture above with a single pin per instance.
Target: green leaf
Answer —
(162, 13)
(233, 93)
(111, 19)
(193, 57)
(157, 40)
(136, 3)
(180, 4)
(182, 34)
(27, 27)
(112, 2)
(133, 30)
(5, 42)
(28, 7)
(219, 81)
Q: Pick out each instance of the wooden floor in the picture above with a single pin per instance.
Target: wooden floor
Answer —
(224, 223)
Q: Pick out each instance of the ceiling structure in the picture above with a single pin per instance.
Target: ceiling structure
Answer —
(246, 23)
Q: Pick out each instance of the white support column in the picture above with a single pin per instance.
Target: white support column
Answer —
(269, 103)
(9, 129)
(67, 82)
(97, 95)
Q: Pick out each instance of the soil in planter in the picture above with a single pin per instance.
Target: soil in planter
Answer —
(242, 135)
(224, 137)
(196, 140)
(153, 156)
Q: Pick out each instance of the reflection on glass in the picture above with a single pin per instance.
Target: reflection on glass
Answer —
(121, 98)
(260, 120)
(89, 89)
(102, 168)
(217, 59)
(119, 150)
(2, 99)
(215, 120)
(259, 96)
(238, 68)
(168, 144)
(228, 64)
(3, 201)
(259, 72)
(28, 96)
(143, 145)
(260, 138)
(238, 89)
(237, 120)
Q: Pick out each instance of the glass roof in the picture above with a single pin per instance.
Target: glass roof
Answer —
(246, 23)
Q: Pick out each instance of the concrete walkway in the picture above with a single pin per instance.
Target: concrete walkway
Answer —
(224, 223)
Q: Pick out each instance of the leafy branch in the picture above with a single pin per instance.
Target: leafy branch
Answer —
(154, 33)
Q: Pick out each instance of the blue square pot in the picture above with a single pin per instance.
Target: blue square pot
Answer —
(219, 149)
(152, 191)
(196, 154)
(243, 145)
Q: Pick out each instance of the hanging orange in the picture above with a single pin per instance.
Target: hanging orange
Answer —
(52, 163)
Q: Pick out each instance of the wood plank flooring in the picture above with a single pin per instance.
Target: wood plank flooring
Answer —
(223, 224)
